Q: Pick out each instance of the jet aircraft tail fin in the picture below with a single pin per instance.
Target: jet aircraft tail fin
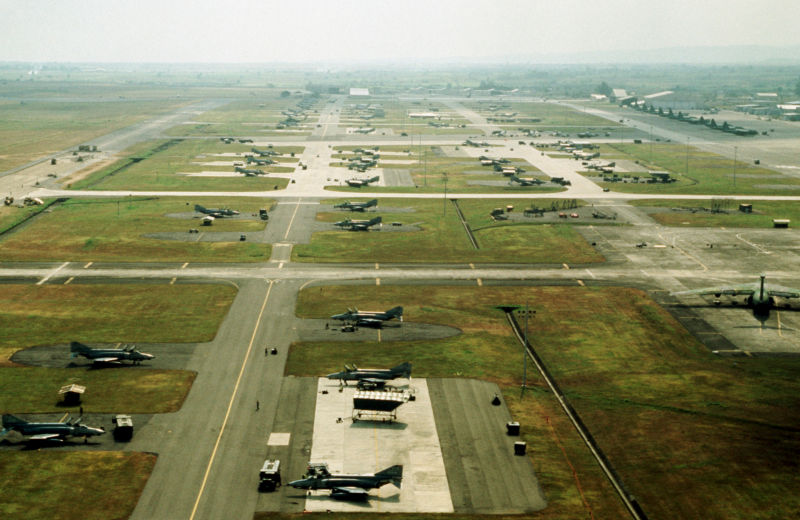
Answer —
(403, 369)
(396, 312)
(9, 421)
(76, 348)
(393, 474)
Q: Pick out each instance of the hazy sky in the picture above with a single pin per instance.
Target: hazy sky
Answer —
(376, 30)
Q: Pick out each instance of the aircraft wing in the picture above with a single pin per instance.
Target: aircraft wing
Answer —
(349, 492)
(44, 437)
(731, 290)
(782, 292)
(105, 359)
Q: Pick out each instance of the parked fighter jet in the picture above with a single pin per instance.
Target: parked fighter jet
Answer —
(760, 295)
(109, 355)
(358, 225)
(263, 153)
(530, 181)
(42, 431)
(348, 487)
(357, 183)
(216, 212)
(367, 130)
(261, 162)
(357, 206)
(249, 171)
(369, 318)
(372, 375)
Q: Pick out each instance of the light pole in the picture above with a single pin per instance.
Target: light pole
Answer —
(444, 203)
(687, 155)
(527, 313)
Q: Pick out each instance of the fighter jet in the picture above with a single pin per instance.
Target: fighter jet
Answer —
(249, 171)
(357, 183)
(261, 162)
(525, 181)
(109, 355)
(760, 295)
(215, 212)
(372, 375)
(358, 225)
(41, 431)
(357, 206)
(348, 487)
(263, 153)
(367, 130)
(369, 318)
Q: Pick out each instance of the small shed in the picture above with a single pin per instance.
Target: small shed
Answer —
(377, 405)
(780, 222)
(71, 394)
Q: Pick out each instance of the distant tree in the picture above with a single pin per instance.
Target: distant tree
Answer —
(604, 89)
(285, 94)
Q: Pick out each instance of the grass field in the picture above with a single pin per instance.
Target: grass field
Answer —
(32, 129)
(707, 173)
(113, 230)
(247, 117)
(442, 238)
(163, 165)
(32, 315)
(678, 424)
(761, 217)
(43, 485)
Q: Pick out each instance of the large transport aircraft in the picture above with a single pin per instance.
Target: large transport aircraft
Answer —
(760, 296)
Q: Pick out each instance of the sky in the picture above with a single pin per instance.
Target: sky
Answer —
(341, 31)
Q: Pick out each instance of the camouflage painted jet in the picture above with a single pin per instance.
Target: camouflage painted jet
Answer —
(263, 153)
(42, 431)
(369, 318)
(358, 225)
(109, 355)
(372, 375)
(215, 212)
(261, 162)
(348, 487)
(249, 171)
(526, 181)
(357, 206)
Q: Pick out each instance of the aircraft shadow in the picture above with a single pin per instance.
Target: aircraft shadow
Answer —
(380, 425)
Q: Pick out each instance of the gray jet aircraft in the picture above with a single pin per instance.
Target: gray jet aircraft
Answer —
(215, 212)
(109, 355)
(525, 182)
(372, 375)
(41, 431)
(260, 162)
(760, 295)
(249, 171)
(358, 225)
(348, 487)
(369, 318)
(357, 206)
(357, 183)
(263, 153)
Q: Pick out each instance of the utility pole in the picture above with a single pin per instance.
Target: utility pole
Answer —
(527, 313)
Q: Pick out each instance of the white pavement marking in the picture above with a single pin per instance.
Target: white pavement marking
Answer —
(52, 273)
(69, 280)
(590, 273)
(184, 265)
(230, 403)
(279, 439)
(289, 227)
(87, 265)
(367, 447)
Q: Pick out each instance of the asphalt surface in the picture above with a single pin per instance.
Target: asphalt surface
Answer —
(210, 451)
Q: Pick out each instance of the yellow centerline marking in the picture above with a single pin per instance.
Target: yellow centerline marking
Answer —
(379, 335)
(289, 227)
(377, 281)
(480, 282)
(778, 314)
(565, 266)
(184, 265)
(280, 265)
(57, 269)
(63, 417)
(580, 282)
(172, 282)
(69, 280)
(87, 265)
(230, 403)
(377, 266)
(471, 265)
